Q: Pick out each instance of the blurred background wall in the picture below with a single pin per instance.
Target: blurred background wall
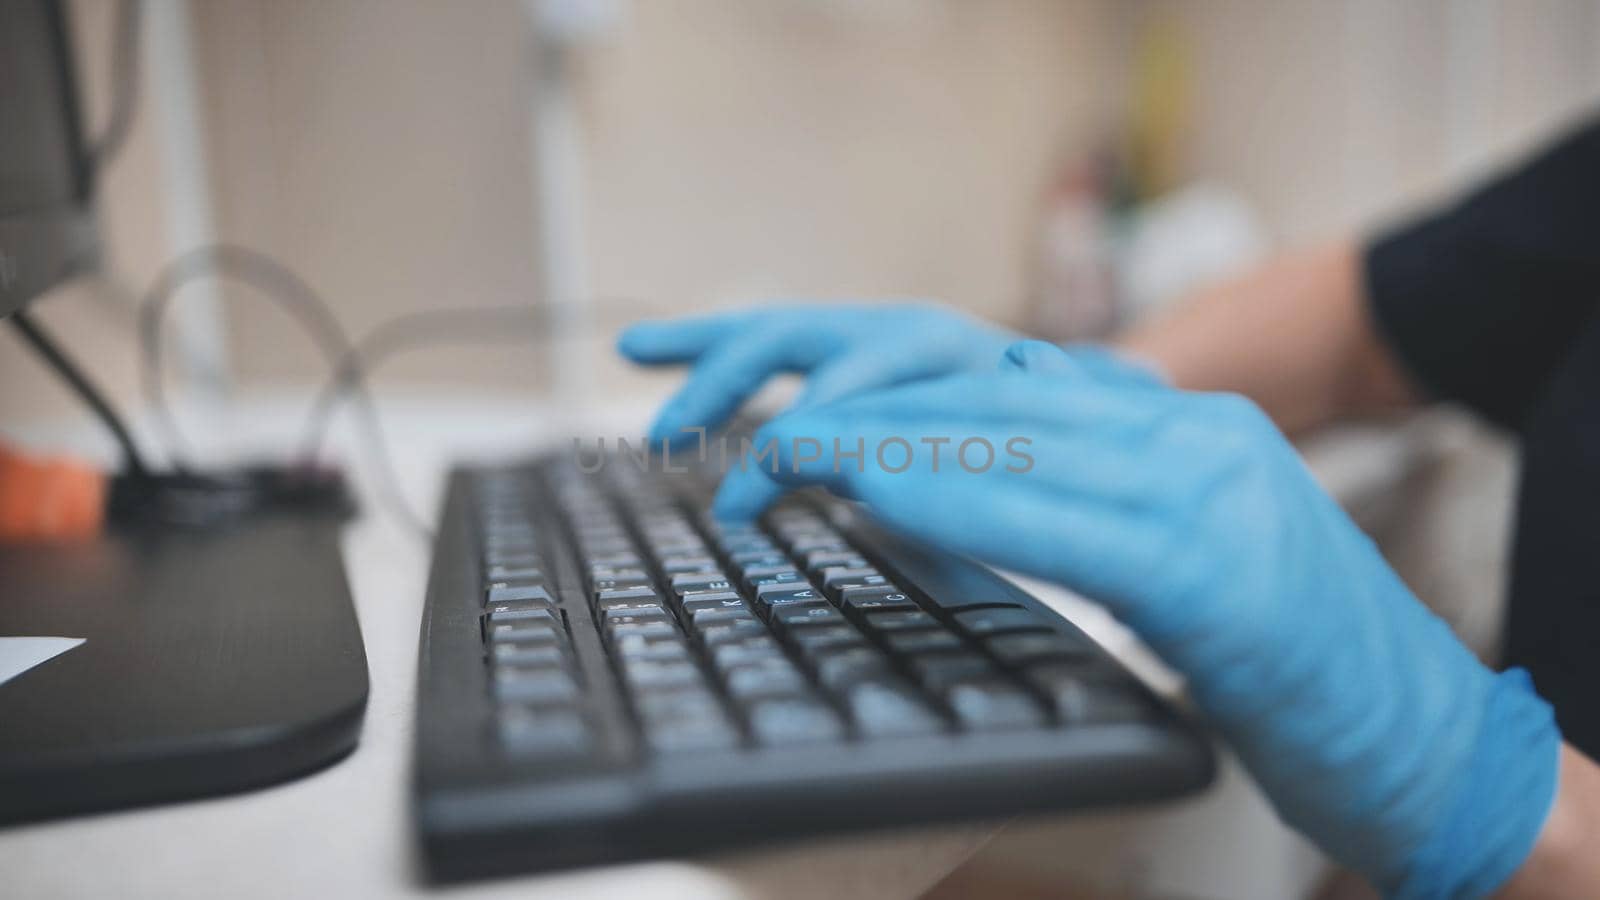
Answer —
(736, 151)
(733, 151)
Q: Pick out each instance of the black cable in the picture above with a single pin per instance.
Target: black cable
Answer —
(276, 281)
(58, 360)
(492, 324)
(350, 363)
(283, 286)
(410, 331)
(125, 59)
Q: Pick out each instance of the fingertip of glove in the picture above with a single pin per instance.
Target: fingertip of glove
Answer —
(668, 426)
(635, 341)
(1036, 356)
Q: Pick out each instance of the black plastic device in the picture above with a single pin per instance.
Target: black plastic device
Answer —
(221, 649)
(607, 674)
(46, 183)
(214, 660)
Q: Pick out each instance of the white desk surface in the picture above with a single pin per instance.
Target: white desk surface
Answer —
(346, 831)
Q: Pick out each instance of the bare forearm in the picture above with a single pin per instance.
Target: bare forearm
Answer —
(1294, 336)
(1565, 862)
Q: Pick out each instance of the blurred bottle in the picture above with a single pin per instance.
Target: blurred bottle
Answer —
(1072, 293)
(1128, 230)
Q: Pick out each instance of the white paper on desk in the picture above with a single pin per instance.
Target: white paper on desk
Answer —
(19, 654)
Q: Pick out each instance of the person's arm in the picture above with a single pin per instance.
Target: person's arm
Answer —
(1564, 862)
(1295, 336)
(1474, 303)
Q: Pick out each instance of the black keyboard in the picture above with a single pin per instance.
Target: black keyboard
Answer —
(607, 673)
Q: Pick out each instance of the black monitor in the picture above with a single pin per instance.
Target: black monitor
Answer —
(47, 228)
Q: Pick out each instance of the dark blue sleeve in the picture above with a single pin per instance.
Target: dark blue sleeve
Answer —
(1481, 301)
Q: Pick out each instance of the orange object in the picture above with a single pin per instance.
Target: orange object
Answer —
(49, 499)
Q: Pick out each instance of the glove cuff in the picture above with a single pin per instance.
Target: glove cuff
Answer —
(1501, 803)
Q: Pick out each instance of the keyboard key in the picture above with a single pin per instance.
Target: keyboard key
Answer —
(636, 614)
(833, 575)
(805, 616)
(884, 599)
(517, 590)
(786, 519)
(506, 591)
(707, 581)
(632, 592)
(527, 732)
(989, 705)
(775, 591)
(939, 672)
(498, 549)
(683, 545)
(541, 685)
(650, 675)
(745, 652)
(793, 606)
(777, 677)
(884, 708)
(1001, 620)
(1084, 695)
(812, 641)
(827, 558)
(838, 584)
(623, 606)
(747, 562)
(706, 618)
(722, 633)
(837, 670)
(654, 649)
(674, 565)
(501, 613)
(495, 559)
(681, 704)
(771, 606)
(788, 578)
(685, 721)
(695, 602)
(924, 642)
(620, 584)
(550, 654)
(900, 621)
(821, 539)
(606, 545)
(723, 528)
(527, 570)
(793, 720)
(525, 632)
(1021, 649)
(780, 572)
(624, 627)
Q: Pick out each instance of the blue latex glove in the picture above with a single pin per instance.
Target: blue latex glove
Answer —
(843, 349)
(1372, 729)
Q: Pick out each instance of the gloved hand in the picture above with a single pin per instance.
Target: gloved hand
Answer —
(844, 349)
(1371, 728)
